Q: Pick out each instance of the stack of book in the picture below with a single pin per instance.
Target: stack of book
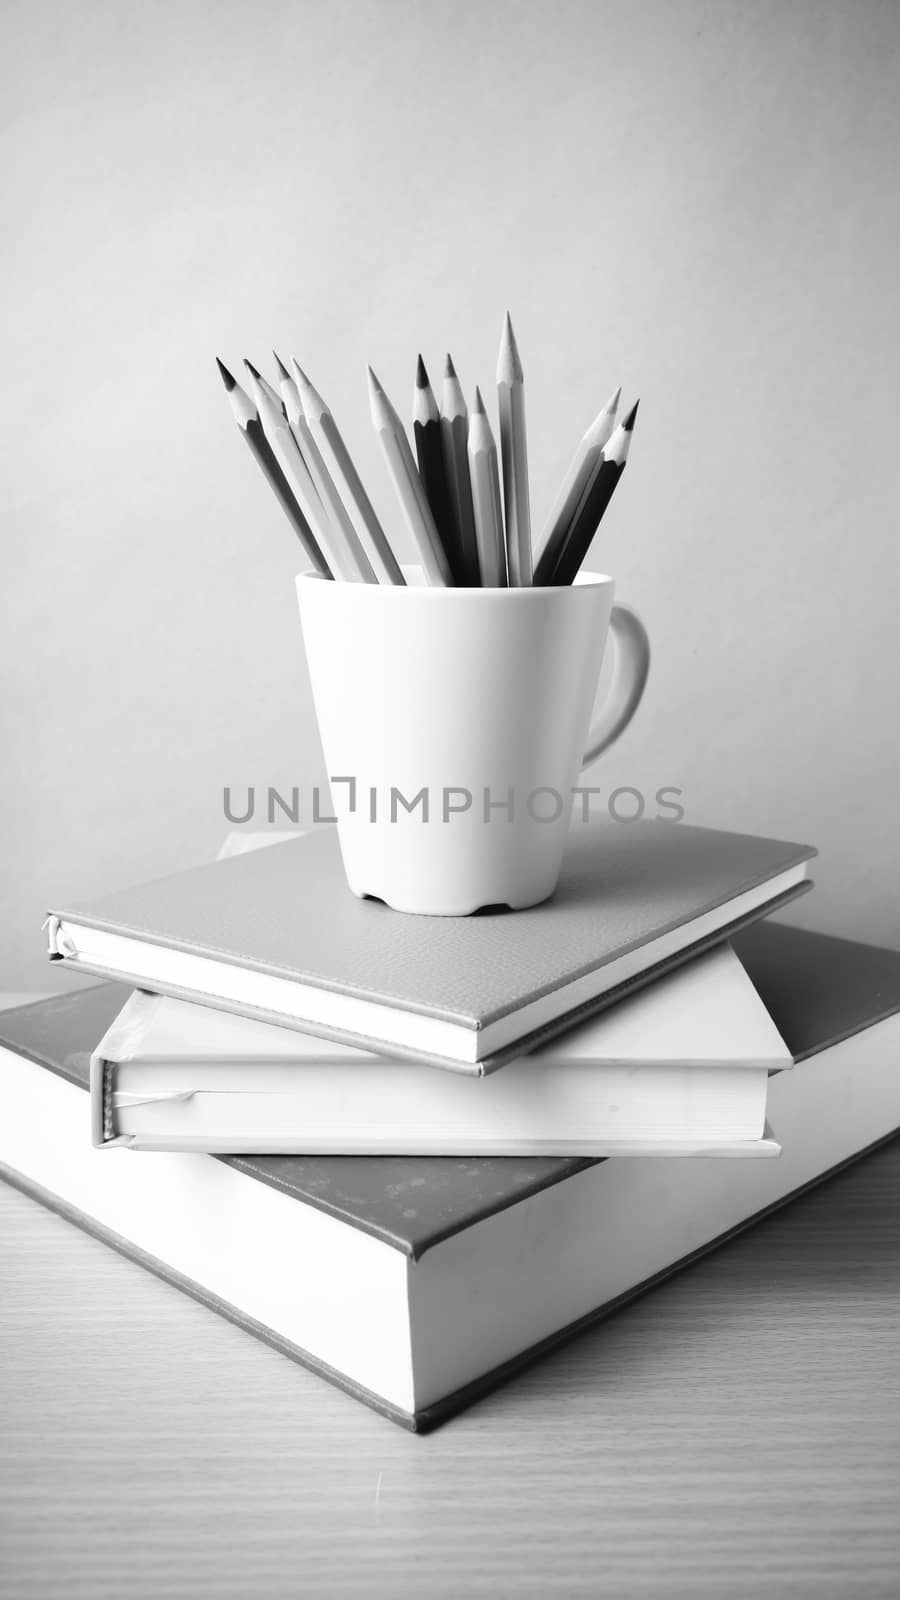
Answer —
(415, 1152)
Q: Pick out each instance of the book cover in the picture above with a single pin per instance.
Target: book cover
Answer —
(276, 934)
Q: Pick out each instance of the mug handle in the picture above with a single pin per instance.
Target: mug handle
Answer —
(631, 664)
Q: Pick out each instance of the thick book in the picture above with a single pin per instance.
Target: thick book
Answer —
(277, 934)
(417, 1284)
(679, 1068)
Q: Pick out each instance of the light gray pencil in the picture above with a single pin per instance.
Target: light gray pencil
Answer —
(486, 504)
(454, 442)
(514, 454)
(410, 491)
(582, 471)
(323, 428)
(290, 394)
(271, 407)
(268, 388)
(345, 557)
(246, 415)
(293, 410)
(328, 491)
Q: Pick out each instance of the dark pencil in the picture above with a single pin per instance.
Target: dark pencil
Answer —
(576, 487)
(430, 456)
(455, 440)
(247, 418)
(564, 569)
(283, 373)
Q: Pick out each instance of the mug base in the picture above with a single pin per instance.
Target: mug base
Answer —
(441, 909)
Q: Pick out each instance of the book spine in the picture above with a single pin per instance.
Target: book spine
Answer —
(103, 1116)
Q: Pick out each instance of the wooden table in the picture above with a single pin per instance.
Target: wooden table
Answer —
(733, 1433)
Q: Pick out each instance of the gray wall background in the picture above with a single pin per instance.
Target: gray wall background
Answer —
(696, 199)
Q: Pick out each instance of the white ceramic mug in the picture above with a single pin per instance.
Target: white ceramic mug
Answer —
(454, 724)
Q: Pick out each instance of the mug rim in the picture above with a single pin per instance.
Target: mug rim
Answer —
(583, 580)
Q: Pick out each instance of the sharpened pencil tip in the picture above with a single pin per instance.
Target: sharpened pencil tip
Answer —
(612, 404)
(252, 370)
(421, 374)
(300, 374)
(449, 368)
(229, 382)
(478, 407)
(628, 422)
(374, 385)
(509, 363)
(281, 366)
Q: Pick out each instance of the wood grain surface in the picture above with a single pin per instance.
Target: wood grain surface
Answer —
(734, 1433)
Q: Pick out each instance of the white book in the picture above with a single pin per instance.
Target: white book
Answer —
(681, 1067)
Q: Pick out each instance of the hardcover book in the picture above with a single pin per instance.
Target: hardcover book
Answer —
(417, 1283)
(276, 934)
(680, 1067)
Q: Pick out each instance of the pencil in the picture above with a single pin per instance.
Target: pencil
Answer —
(486, 498)
(430, 456)
(514, 453)
(328, 491)
(267, 388)
(454, 439)
(345, 555)
(576, 485)
(405, 477)
(322, 430)
(273, 416)
(247, 418)
(290, 394)
(577, 544)
(293, 410)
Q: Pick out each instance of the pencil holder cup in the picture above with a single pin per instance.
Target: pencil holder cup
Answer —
(454, 724)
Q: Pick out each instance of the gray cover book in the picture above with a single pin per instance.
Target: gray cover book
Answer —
(277, 934)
